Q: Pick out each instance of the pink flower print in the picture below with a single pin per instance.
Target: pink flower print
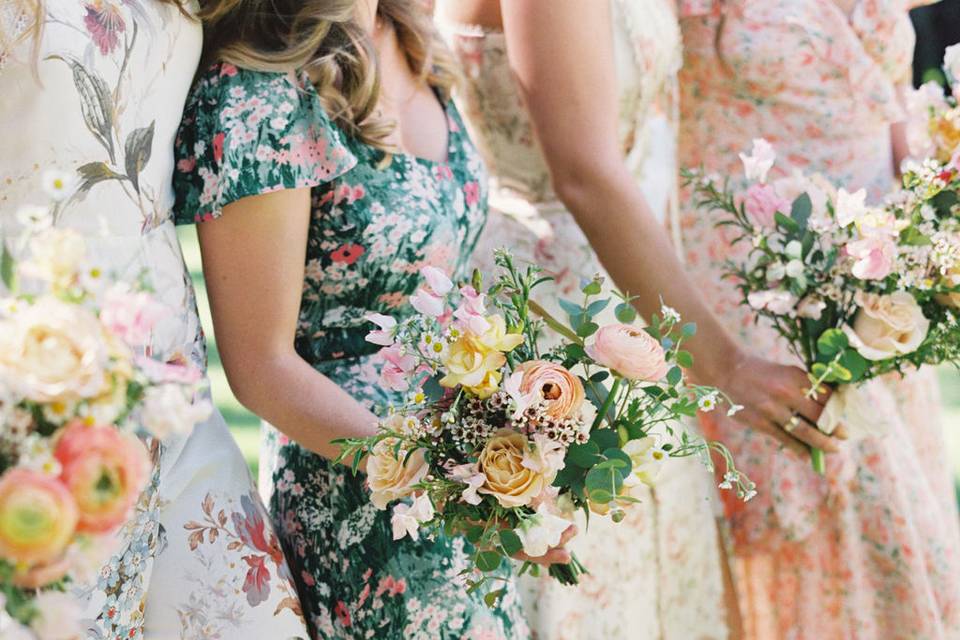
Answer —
(105, 24)
(442, 172)
(347, 254)
(186, 165)
(363, 595)
(252, 531)
(307, 578)
(228, 70)
(218, 147)
(257, 583)
(471, 193)
(343, 615)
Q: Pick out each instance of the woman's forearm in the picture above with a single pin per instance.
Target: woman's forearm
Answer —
(304, 405)
(636, 251)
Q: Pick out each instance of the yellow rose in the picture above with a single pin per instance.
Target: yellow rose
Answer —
(391, 473)
(52, 351)
(945, 131)
(504, 463)
(474, 361)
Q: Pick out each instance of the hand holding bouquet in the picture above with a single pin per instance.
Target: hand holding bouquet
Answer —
(503, 442)
(856, 291)
(75, 388)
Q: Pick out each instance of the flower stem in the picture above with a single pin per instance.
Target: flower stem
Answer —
(553, 323)
(607, 403)
(819, 460)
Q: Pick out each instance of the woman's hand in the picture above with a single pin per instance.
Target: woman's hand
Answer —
(777, 400)
(556, 555)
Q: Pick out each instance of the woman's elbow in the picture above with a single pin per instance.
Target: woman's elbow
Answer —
(583, 180)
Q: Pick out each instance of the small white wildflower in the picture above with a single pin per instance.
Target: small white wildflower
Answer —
(59, 185)
(734, 410)
(34, 218)
(707, 403)
(670, 314)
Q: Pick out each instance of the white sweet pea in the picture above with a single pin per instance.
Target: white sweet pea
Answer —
(170, 409)
(811, 307)
(776, 271)
(384, 335)
(647, 458)
(519, 401)
(759, 162)
(471, 476)
(951, 62)
(794, 269)
(850, 207)
(58, 616)
(772, 300)
(407, 518)
(541, 532)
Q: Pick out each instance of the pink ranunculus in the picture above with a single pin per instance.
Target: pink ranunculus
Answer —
(131, 315)
(874, 257)
(397, 368)
(631, 352)
(762, 202)
(105, 471)
(384, 335)
(38, 517)
(773, 300)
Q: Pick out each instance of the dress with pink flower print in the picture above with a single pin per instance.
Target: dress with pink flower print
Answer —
(377, 220)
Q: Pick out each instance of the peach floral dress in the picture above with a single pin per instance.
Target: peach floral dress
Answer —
(872, 550)
(658, 574)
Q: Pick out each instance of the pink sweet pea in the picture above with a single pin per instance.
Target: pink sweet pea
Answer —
(437, 280)
(874, 257)
(759, 162)
(762, 202)
(471, 314)
(384, 335)
(131, 315)
(168, 372)
(427, 303)
(397, 368)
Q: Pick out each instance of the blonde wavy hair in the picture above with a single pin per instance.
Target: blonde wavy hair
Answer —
(323, 38)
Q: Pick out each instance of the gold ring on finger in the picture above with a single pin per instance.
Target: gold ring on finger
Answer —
(792, 424)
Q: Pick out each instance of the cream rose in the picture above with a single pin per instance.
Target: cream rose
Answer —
(511, 474)
(630, 351)
(865, 411)
(561, 391)
(54, 352)
(887, 325)
(55, 256)
(392, 474)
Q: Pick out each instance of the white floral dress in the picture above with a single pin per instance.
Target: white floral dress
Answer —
(102, 100)
(659, 573)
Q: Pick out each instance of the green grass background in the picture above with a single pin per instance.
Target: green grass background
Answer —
(246, 427)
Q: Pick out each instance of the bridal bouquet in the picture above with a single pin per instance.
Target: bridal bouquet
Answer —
(501, 441)
(933, 123)
(856, 291)
(73, 394)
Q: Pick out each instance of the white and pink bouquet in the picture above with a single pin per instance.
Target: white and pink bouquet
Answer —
(933, 123)
(856, 291)
(503, 442)
(76, 391)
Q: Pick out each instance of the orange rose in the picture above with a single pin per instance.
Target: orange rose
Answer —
(561, 391)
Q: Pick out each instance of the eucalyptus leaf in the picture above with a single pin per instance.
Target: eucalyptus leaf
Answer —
(625, 313)
(510, 542)
(488, 561)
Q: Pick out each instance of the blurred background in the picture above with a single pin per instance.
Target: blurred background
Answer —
(937, 25)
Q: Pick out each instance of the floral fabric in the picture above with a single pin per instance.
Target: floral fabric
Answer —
(658, 574)
(377, 219)
(113, 78)
(873, 549)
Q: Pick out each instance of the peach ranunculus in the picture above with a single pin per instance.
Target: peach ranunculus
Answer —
(51, 351)
(511, 473)
(630, 351)
(887, 325)
(38, 517)
(105, 470)
(561, 391)
(392, 474)
(475, 360)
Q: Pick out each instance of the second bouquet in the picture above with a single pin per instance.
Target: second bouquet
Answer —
(502, 441)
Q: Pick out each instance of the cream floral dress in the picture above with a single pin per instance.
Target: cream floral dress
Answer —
(658, 573)
(872, 551)
(102, 101)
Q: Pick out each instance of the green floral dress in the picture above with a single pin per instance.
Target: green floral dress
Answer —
(377, 219)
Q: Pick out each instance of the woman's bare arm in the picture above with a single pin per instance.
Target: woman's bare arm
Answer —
(562, 56)
(253, 262)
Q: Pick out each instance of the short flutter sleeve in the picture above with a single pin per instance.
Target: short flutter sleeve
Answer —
(246, 133)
